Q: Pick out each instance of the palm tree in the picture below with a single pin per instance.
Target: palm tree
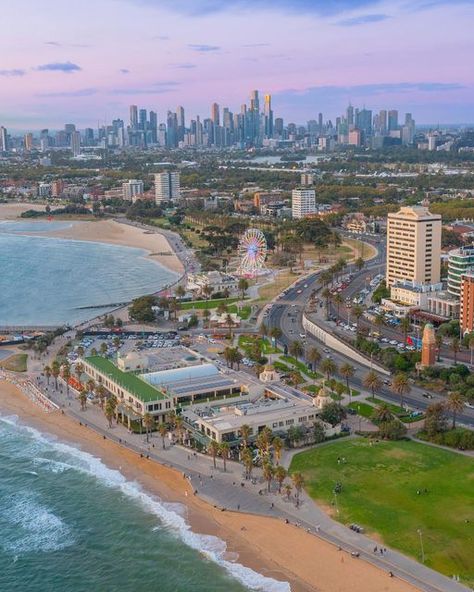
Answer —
(79, 370)
(224, 450)
(401, 386)
(359, 263)
(313, 356)
(405, 326)
(338, 300)
(263, 330)
(247, 459)
(268, 473)
(83, 399)
(101, 394)
(47, 373)
(295, 378)
(372, 382)
(347, 371)
(276, 333)
(455, 347)
(243, 286)
(148, 422)
(358, 311)
(66, 377)
(163, 430)
(382, 413)
(116, 342)
(180, 291)
(109, 412)
(206, 313)
(455, 404)
(328, 366)
(277, 444)
(264, 440)
(288, 489)
(245, 434)
(90, 385)
(93, 352)
(178, 426)
(226, 293)
(229, 323)
(327, 295)
(296, 349)
(222, 308)
(298, 482)
(280, 475)
(55, 368)
(103, 348)
(207, 290)
(80, 351)
(213, 448)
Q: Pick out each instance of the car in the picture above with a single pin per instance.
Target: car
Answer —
(393, 342)
(299, 291)
(469, 405)
(427, 395)
(303, 336)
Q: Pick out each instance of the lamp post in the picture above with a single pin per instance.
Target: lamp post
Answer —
(421, 545)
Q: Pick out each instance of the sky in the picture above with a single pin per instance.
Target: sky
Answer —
(86, 62)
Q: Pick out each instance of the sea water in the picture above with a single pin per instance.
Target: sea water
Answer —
(49, 281)
(68, 523)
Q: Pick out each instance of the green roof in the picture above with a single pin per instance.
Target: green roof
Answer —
(132, 383)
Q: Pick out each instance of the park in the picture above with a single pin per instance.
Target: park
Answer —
(415, 498)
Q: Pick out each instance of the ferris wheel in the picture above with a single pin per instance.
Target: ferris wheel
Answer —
(252, 252)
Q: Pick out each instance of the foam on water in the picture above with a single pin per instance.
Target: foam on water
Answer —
(211, 547)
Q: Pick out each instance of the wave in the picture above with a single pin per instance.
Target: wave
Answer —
(211, 547)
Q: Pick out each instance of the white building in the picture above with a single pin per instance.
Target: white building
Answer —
(132, 188)
(217, 280)
(303, 203)
(167, 187)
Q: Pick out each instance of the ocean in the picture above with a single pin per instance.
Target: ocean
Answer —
(68, 523)
(48, 281)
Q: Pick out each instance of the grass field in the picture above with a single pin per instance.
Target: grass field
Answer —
(379, 491)
(15, 363)
(203, 304)
(362, 409)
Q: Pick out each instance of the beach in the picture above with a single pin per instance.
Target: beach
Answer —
(267, 545)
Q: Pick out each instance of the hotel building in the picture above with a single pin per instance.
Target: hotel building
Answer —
(303, 203)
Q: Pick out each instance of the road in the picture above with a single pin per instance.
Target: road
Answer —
(294, 303)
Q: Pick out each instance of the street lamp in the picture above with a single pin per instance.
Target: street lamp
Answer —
(421, 545)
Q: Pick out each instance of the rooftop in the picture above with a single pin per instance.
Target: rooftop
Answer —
(132, 383)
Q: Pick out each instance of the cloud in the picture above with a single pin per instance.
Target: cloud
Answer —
(82, 92)
(183, 66)
(66, 67)
(12, 73)
(57, 44)
(371, 89)
(159, 88)
(203, 48)
(161, 37)
(124, 71)
(53, 43)
(363, 20)
(256, 45)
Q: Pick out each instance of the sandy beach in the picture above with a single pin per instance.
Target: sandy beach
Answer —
(106, 231)
(267, 545)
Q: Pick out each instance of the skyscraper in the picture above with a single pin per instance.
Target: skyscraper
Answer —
(28, 142)
(350, 115)
(76, 143)
(303, 203)
(133, 117)
(215, 114)
(142, 124)
(268, 114)
(3, 139)
(167, 186)
(392, 120)
(153, 127)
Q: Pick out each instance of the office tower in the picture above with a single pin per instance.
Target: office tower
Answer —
(408, 130)
(199, 132)
(307, 179)
(142, 120)
(76, 143)
(133, 117)
(413, 246)
(162, 141)
(355, 137)
(180, 116)
(320, 123)
(89, 136)
(3, 139)
(392, 120)
(350, 115)
(29, 142)
(215, 114)
(466, 311)
(167, 187)
(279, 125)
(383, 122)
(132, 188)
(364, 122)
(460, 261)
(69, 128)
(172, 125)
(268, 115)
(153, 127)
(303, 203)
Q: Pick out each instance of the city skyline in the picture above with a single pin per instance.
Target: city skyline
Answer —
(309, 59)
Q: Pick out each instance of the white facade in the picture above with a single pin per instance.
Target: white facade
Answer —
(167, 186)
(132, 188)
(303, 203)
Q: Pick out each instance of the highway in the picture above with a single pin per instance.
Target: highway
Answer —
(286, 313)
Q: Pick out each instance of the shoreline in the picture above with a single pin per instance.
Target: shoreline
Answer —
(260, 543)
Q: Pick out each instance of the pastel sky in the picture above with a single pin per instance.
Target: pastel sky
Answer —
(86, 61)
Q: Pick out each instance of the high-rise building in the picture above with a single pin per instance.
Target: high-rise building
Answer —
(303, 203)
(428, 346)
(320, 123)
(460, 261)
(307, 179)
(355, 137)
(142, 121)
(392, 120)
(133, 117)
(364, 122)
(268, 114)
(215, 114)
(153, 126)
(57, 188)
(29, 142)
(167, 187)
(76, 143)
(413, 246)
(466, 312)
(350, 115)
(172, 125)
(132, 188)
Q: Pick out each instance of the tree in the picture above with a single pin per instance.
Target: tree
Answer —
(93, 352)
(347, 371)
(224, 450)
(455, 404)
(319, 433)
(338, 300)
(277, 444)
(357, 311)
(100, 391)
(47, 373)
(327, 295)
(296, 349)
(405, 326)
(359, 263)
(401, 386)
(163, 430)
(264, 440)
(247, 459)
(109, 411)
(288, 488)
(439, 344)
(280, 475)
(206, 313)
(148, 422)
(66, 377)
(103, 348)
(298, 483)
(221, 308)
(313, 356)
(55, 369)
(435, 420)
(141, 309)
(455, 347)
(214, 450)
(332, 413)
(263, 330)
(328, 366)
(267, 469)
(393, 429)
(207, 290)
(180, 291)
(295, 378)
(116, 342)
(83, 399)
(382, 413)
(245, 431)
(80, 351)
(372, 382)
(179, 427)
(243, 286)
(276, 333)
(471, 346)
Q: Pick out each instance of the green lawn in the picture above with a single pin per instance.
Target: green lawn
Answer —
(203, 304)
(15, 363)
(302, 367)
(244, 312)
(379, 491)
(246, 342)
(362, 409)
